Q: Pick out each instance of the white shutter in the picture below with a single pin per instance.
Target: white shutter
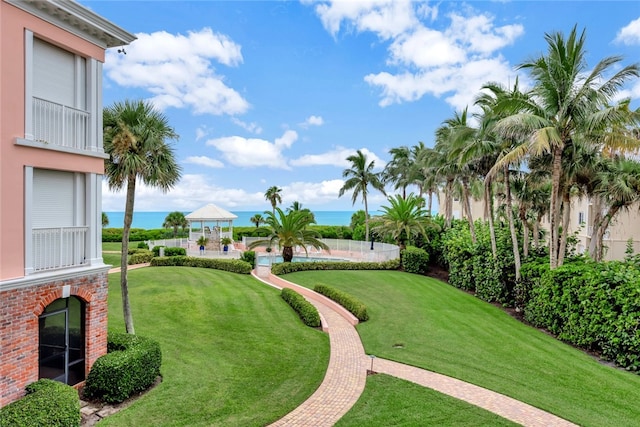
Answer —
(54, 72)
(53, 202)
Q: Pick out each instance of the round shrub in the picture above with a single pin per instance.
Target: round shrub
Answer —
(47, 403)
(174, 251)
(415, 260)
(131, 365)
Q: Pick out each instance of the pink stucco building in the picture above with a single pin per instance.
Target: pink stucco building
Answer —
(53, 281)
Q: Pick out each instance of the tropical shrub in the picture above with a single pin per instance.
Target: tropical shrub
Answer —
(307, 311)
(131, 365)
(156, 250)
(231, 265)
(174, 251)
(592, 305)
(249, 256)
(415, 260)
(292, 267)
(351, 303)
(140, 257)
(47, 403)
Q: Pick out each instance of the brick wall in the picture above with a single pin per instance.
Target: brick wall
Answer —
(19, 311)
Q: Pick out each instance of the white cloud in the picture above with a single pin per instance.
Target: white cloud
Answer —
(204, 161)
(249, 127)
(386, 18)
(312, 121)
(336, 157)
(451, 62)
(254, 152)
(201, 132)
(192, 192)
(629, 34)
(178, 71)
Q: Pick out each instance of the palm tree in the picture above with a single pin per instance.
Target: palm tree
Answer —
(359, 176)
(105, 219)
(404, 219)
(567, 104)
(619, 186)
(273, 196)
(297, 206)
(135, 138)
(257, 219)
(175, 220)
(289, 230)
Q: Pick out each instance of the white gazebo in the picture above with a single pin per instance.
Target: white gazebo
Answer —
(209, 219)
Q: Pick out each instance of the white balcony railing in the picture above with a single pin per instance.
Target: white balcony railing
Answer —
(60, 247)
(60, 125)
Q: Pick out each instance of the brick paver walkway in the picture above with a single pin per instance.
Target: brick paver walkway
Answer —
(346, 376)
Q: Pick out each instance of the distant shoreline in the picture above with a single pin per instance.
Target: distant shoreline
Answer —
(150, 220)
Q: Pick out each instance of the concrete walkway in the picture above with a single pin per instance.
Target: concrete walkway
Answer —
(346, 377)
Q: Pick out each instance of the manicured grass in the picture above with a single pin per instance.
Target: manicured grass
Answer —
(389, 401)
(113, 259)
(112, 246)
(234, 353)
(448, 331)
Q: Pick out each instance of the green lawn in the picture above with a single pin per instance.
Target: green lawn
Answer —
(112, 246)
(448, 331)
(234, 353)
(113, 259)
(389, 401)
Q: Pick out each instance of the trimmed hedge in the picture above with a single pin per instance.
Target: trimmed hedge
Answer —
(307, 312)
(47, 403)
(592, 305)
(231, 265)
(249, 256)
(292, 267)
(352, 304)
(140, 257)
(415, 260)
(131, 365)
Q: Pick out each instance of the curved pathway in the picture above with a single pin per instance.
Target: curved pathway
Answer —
(346, 376)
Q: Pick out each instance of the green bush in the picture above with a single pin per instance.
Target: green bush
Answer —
(143, 245)
(140, 257)
(592, 305)
(292, 267)
(307, 311)
(415, 260)
(175, 251)
(156, 250)
(249, 256)
(352, 304)
(231, 265)
(47, 403)
(131, 365)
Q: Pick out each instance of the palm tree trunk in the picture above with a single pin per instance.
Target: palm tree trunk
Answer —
(596, 224)
(467, 207)
(554, 208)
(525, 230)
(536, 231)
(366, 217)
(512, 227)
(488, 203)
(606, 220)
(448, 200)
(287, 253)
(566, 216)
(430, 202)
(124, 286)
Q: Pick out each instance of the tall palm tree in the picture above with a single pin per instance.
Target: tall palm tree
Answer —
(359, 176)
(273, 196)
(404, 219)
(289, 230)
(567, 103)
(297, 206)
(135, 138)
(175, 220)
(257, 219)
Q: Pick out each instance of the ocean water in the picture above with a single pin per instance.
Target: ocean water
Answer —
(153, 220)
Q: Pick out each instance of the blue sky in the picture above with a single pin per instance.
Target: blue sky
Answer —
(280, 92)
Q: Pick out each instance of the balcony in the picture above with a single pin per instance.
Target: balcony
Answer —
(60, 125)
(59, 247)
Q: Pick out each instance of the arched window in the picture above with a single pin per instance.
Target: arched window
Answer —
(61, 345)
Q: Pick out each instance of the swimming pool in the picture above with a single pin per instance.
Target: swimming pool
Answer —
(274, 259)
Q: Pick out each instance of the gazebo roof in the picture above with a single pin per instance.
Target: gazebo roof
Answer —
(211, 212)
